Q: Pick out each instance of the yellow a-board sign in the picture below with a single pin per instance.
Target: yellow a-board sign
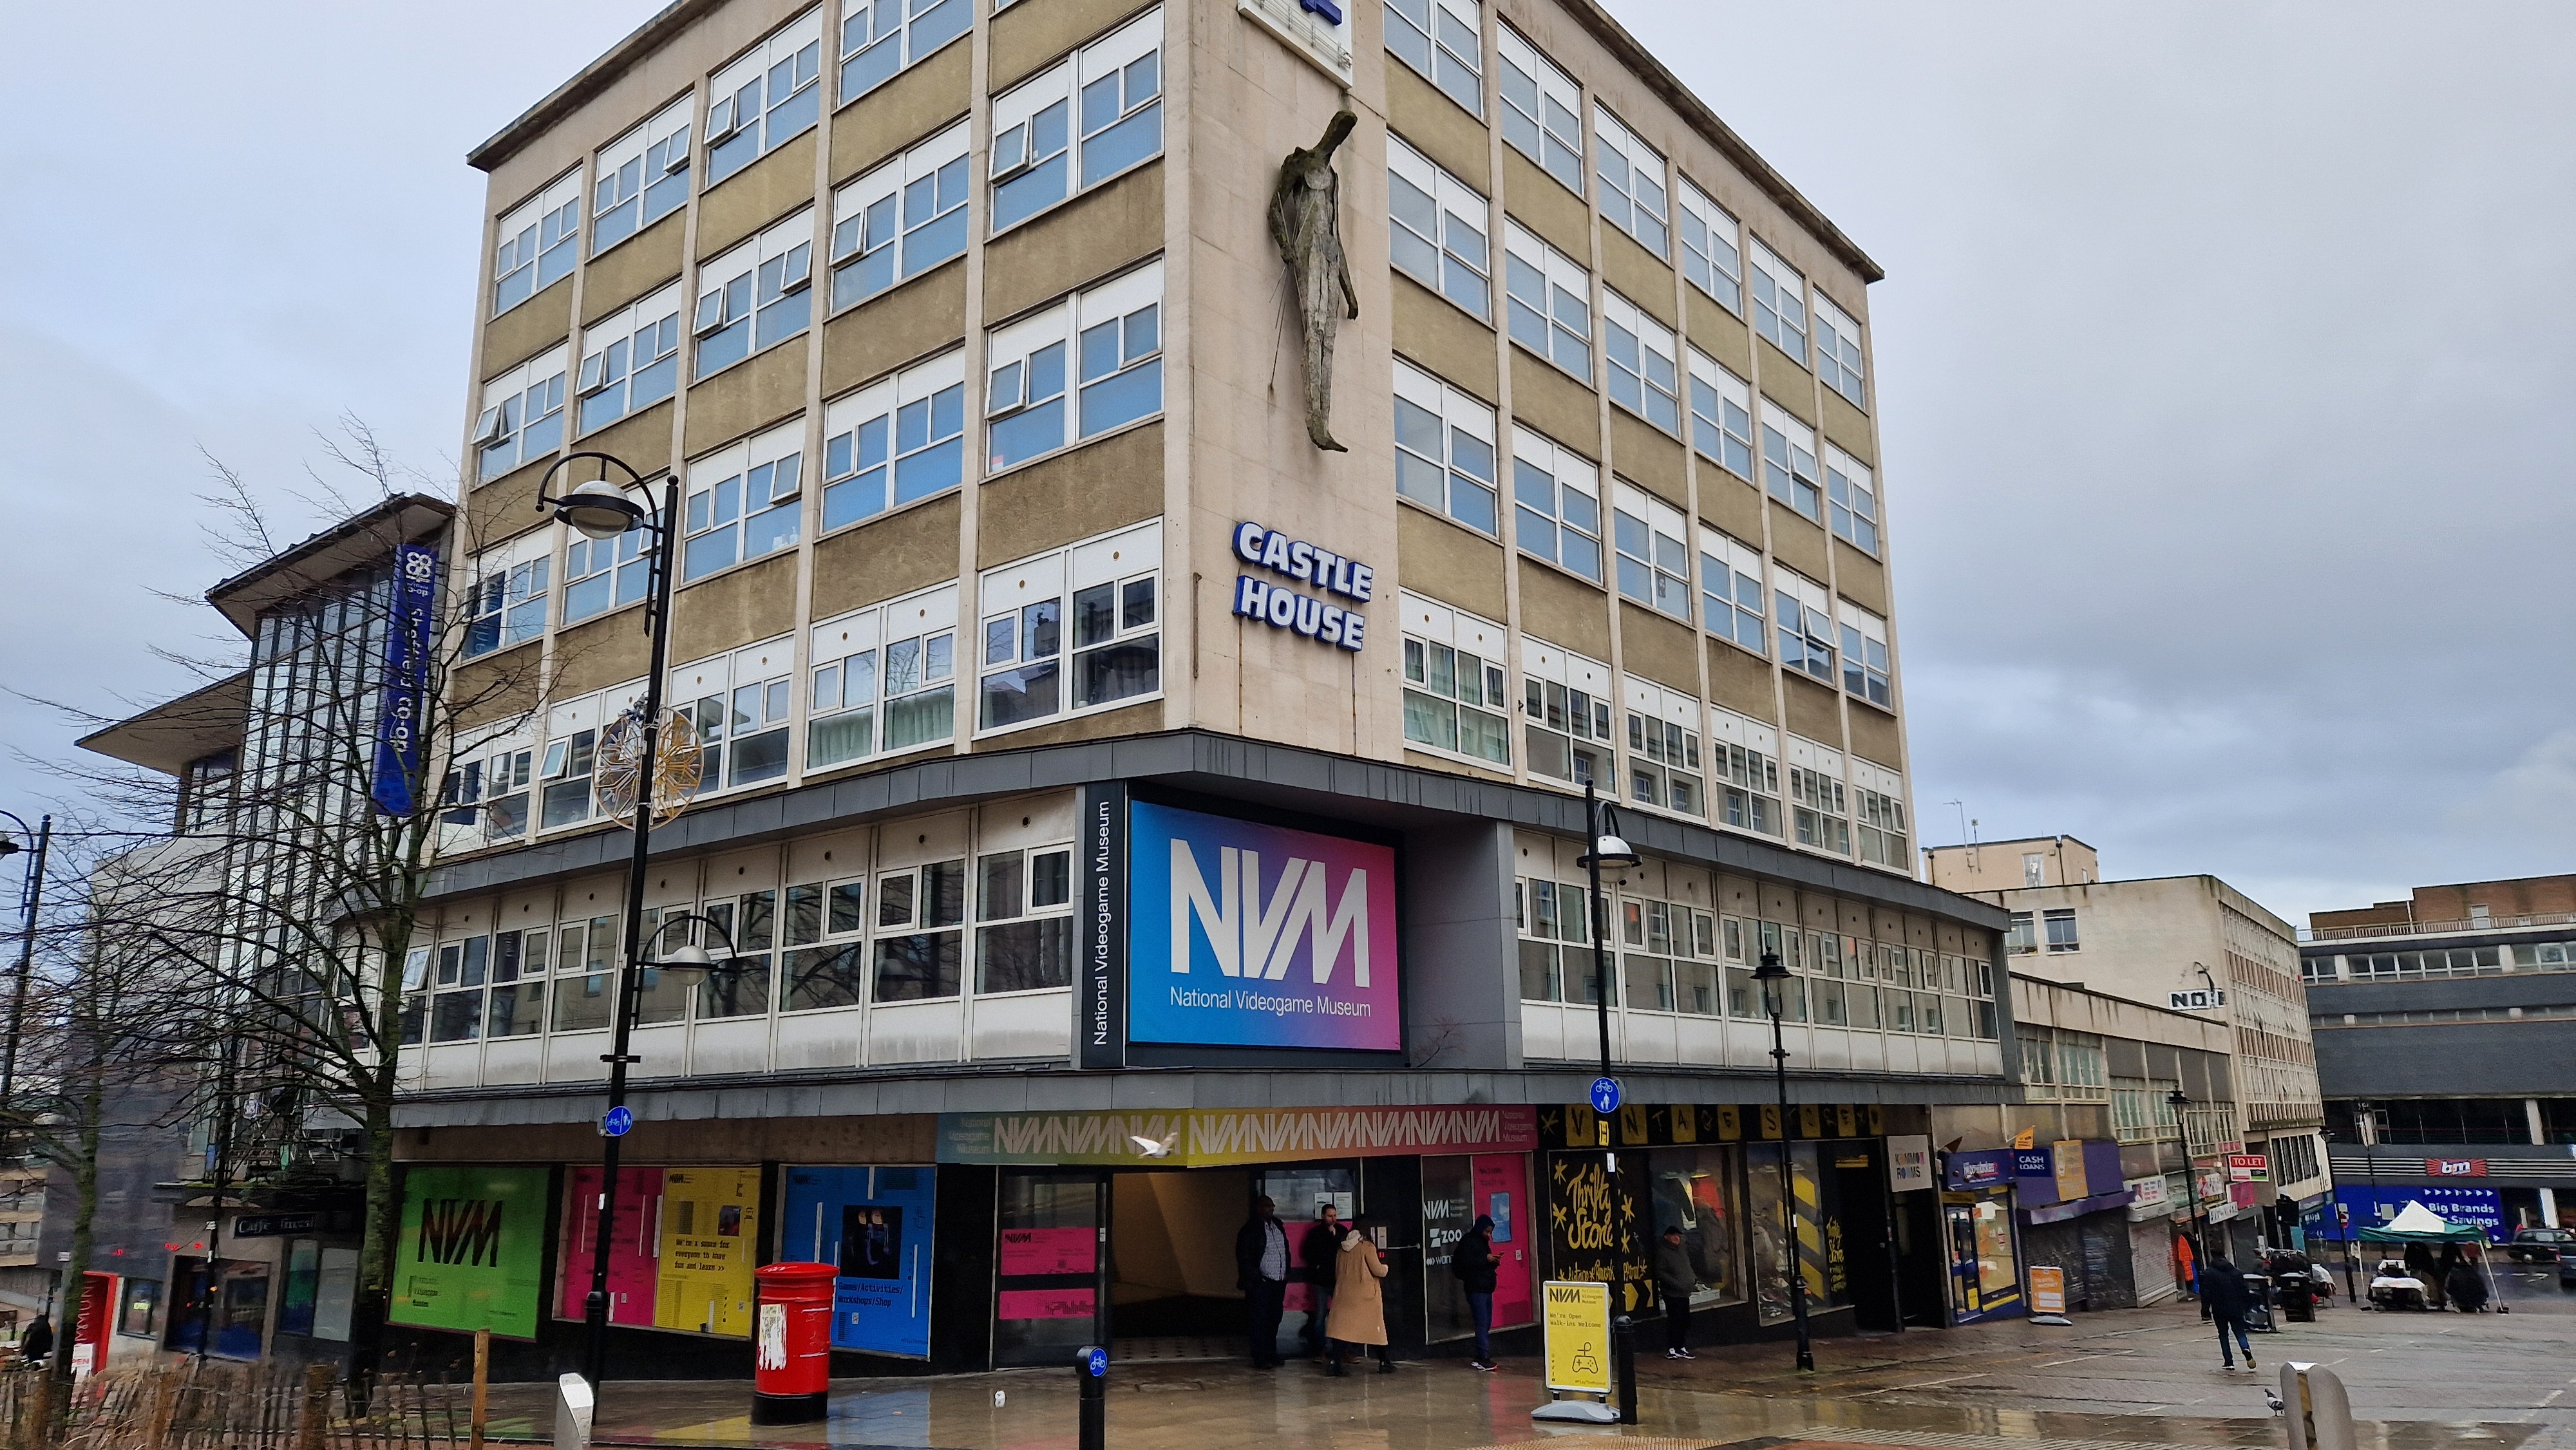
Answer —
(1577, 1325)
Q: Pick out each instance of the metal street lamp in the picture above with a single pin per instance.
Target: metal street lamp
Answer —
(29, 900)
(602, 513)
(1773, 974)
(1606, 847)
(2181, 1101)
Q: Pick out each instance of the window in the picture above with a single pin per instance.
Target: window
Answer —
(2060, 924)
(1663, 749)
(883, 679)
(1443, 39)
(740, 704)
(1102, 109)
(522, 418)
(1852, 499)
(2023, 939)
(1542, 109)
(1556, 498)
(1709, 256)
(901, 219)
(1864, 654)
(1730, 582)
(1565, 715)
(630, 360)
(537, 244)
(757, 294)
(508, 603)
(1819, 810)
(881, 37)
(643, 176)
(921, 914)
(1779, 303)
(1789, 462)
(1552, 912)
(1878, 809)
(766, 99)
(1654, 563)
(743, 502)
(1838, 350)
(1550, 307)
(895, 441)
(1640, 353)
(564, 770)
(601, 574)
(1806, 630)
(1632, 182)
(1456, 701)
(1114, 333)
(489, 791)
(1438, 236)
(1099, 602)
(1721, 416)
(1024, 920)
(1444, 449)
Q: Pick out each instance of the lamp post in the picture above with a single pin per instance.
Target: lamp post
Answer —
(2181, 1102)
(2366, 1125)
(604, 514)
(1607, 848)
(1773, 974)
(29, 900)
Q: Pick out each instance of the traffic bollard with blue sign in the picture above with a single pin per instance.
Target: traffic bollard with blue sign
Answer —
(1091, 1367)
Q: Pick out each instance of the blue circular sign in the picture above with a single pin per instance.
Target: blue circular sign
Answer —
(1095, 1362)
(1605, 1095)
(620, 1119)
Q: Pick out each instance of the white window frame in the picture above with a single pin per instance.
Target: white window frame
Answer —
(1804, 624)
(1542, 109)
(1866, 674)
(1017, 114)
(926, 619)
(1779, 301)
(1734, 603)
(796, 48)
(718, 502)
(1651, 540)
(1881, 836)
(1819, 801)
(506, 602)
(1712, 247)
(1566, 315)
(620, 560)
(1851, 498)
(1721, 408)
(1789, 462)
(765, 286)
(869, 26)
(892, 211)
(1455, 678)
(1124, 563)
(1744, 770)
(539, 240)
(739, 696)
(1647, 383)
(1634, 194)
(1073, 324)
(649, 329)
(658, 154)
(1838, 360)
(1443, 42)
(488, 792)
(894, 442)
(1560, 688)
(1554, 533)
(568, 758)
(1468, 497)
(528, 398)
(1461, 255)
(1665, 770)
(993, 917)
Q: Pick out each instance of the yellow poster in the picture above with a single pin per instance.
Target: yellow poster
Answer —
(1577, 1326)
(710, 1217)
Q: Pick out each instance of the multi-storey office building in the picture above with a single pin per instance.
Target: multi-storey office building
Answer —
(2443, 1027)
(1052, 682)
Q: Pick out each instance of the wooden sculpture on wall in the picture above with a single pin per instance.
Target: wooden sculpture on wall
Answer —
(1306, 222)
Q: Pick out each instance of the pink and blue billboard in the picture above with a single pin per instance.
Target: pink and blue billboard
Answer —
(1249, 935)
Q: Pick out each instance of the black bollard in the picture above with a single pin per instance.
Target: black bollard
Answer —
(1623, 1356)
(1091, 1367)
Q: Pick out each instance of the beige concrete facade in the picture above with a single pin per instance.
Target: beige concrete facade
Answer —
(2012, 865)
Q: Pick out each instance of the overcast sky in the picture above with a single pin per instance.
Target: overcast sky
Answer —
(2224, 369)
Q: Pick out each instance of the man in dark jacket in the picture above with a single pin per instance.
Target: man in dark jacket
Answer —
(1675, 1279)
(1316, 1250)
(2223, 1294)
(37, 1344)
(1476, 1266)
(1261, 1272)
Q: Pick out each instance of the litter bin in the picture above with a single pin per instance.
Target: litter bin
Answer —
(2258, 1304)
(792, 1344)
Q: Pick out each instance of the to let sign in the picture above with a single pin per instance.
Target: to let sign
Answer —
(2455, 1167)
(2248, 1168)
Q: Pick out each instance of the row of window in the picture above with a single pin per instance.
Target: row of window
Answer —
(2058, 925)
(1637, 190)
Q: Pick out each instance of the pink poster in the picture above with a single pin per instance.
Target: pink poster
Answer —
(1046, 1304)
(1502, 1193)
(633, 1252)
(1028, 1251)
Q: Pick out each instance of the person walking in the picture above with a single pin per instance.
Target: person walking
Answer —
(2468, 1291)
(1359, 1305)
(2223, 1294)
(1261, 1272)
(1676, 1279)
(1320, 1251)
(1476, 1266)
(37, 1344)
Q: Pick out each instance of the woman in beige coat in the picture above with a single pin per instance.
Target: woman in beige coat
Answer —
(1359, 1304)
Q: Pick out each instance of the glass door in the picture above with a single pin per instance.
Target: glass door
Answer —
(1047, 1292)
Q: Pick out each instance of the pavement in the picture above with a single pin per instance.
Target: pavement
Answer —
(2120, 1380)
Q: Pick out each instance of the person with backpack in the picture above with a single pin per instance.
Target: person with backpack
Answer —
(1473, 1261)
(2224, 1296)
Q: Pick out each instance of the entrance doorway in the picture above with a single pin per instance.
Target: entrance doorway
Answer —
(1171, 1254)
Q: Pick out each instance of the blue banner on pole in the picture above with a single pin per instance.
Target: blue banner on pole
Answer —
(406, 680)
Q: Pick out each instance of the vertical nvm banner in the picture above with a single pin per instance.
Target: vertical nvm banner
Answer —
(1249, 935)
(1100, 996)
(472, 1250)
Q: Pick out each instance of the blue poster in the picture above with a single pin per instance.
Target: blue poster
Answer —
(2374, 1207)
(407, 643)
(875, 1226)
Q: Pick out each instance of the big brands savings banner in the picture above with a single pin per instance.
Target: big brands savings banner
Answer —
(1202, 1137)
(1249, 935)
(472, 1251)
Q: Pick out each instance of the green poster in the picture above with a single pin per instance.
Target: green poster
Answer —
(472, 1252)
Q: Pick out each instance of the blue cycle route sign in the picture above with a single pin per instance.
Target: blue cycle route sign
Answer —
(614, 1125)
(1095, 1361)
(1605, 1095)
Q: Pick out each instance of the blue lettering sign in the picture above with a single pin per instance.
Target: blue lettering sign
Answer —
(1282, 607)
(398, 722)
(1331, 12)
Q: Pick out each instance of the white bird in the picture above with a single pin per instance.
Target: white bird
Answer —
(1152, 1149)
(2272, 1399)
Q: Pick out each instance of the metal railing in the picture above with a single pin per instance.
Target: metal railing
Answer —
(2435, 928)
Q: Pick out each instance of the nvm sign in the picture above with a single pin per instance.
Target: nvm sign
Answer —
(1246, 934)
(461, 1231)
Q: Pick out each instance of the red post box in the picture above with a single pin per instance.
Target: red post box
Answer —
(792, 1343)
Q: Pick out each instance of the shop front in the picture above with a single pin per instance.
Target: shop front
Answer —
(2073, 1209)
(1977, 1228)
